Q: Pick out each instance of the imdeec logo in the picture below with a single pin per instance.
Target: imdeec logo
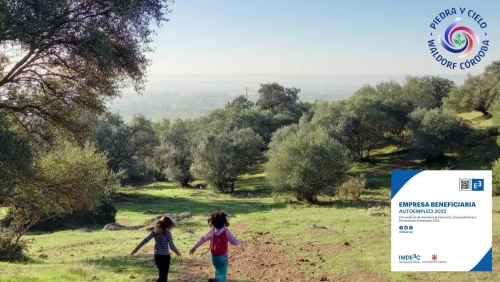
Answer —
(409, 257)
(458, 38)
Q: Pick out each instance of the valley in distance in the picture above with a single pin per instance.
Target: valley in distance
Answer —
(191, 96)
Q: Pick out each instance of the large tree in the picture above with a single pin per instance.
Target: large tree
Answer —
(240, 103)
(68, 179)
(58, 56)
(362, 126)
(434, 131)
(60, 63)
(440, 88)
(478, 93)
(127, 146)
(277, 98)
(424, 92)
(176, 147)
(221, 155)
(304, 160)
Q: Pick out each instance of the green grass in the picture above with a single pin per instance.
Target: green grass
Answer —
(81, 256)
(478, 119)
(3, 212)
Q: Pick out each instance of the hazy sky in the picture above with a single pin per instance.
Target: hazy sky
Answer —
(316, 37)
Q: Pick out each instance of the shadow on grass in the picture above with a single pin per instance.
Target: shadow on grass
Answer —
(144, 265)
(20, 259)
(177, 204)
(247, 186)
(389, 157)
(126, 264)
(252, 186)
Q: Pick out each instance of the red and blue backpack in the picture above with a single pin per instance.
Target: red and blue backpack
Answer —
(219, 244)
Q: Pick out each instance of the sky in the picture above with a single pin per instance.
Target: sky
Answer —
(316, 37)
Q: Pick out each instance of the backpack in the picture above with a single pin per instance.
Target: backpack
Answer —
(219, 244)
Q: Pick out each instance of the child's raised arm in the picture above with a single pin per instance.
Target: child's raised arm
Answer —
(142, 243)
(202, 240)
(233, 240)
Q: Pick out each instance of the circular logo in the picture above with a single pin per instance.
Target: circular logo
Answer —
(406, 227)
(401, 227)
(411, 227)
(458, 38)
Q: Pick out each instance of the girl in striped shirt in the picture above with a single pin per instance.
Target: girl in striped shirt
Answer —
(163, 239)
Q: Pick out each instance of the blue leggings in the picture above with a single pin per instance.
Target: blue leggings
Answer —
(220, 267)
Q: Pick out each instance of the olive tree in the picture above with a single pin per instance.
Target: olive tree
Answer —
(478, 93)
(277, 98)
(59, 56)
(362, 126)
(434, 131)
(304, 163)
(220, 156)
(60, 60)
(68, 179)
(176, 147)
(128, 146)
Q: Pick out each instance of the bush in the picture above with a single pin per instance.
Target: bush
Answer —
(306, 162)
(102, 215)
(221, 156)
(9, 249)
(474, 136)
(495, 170)
(352, 188)
(435, 131)
(137, 173)
(493, 131)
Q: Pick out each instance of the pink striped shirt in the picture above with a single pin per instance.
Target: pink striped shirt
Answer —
(233, 240)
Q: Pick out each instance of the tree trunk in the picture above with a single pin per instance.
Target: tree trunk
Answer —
(310, 198)
(232, 186)
(184, 183)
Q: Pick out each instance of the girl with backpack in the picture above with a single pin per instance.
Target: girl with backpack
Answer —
(163, 239)
(219, 237)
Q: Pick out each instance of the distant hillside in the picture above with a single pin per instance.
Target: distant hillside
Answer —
(197, 95)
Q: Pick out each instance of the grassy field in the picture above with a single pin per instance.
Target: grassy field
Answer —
(283, 240)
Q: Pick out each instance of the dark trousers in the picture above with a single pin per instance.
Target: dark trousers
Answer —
(163, 264)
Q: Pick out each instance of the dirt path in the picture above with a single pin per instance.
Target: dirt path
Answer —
(254, 260)
(265, 259)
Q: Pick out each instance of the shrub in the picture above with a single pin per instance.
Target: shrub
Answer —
(221, 156)
(70, 179)
(475, 136)
(435, 131)
(9, 248)
(493, 131)
(352, 188)
(101, 215)
(306, 162)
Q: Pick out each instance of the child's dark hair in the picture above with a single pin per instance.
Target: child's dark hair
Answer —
(218, 219)
(165, 223)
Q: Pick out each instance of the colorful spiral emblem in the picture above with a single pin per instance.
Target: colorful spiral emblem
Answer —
(458, 39)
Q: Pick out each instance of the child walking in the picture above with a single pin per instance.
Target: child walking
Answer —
(219, 237)
(163, 239)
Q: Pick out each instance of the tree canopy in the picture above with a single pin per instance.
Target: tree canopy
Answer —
(59, 56)
(277, 98)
